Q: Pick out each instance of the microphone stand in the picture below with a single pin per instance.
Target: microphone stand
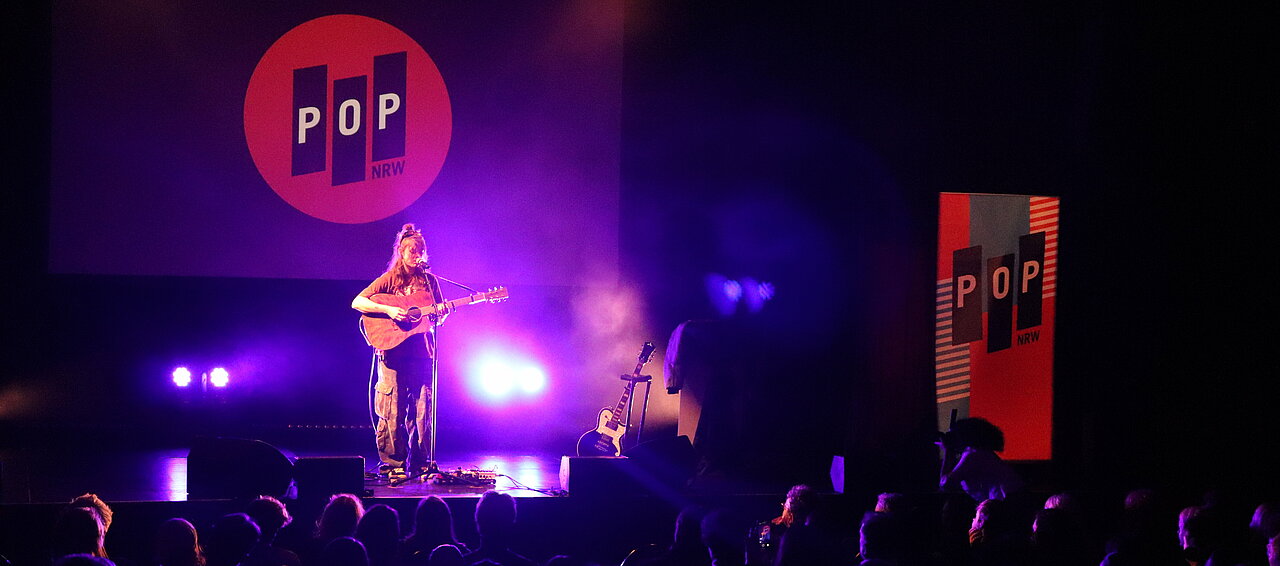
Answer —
(433, 469)
(447, 280)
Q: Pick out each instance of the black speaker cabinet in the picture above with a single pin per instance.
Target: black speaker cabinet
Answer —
(654, 467)
(236, 468)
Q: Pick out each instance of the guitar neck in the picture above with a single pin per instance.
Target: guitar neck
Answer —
(467, 300)
(627, 389)
(616, 419)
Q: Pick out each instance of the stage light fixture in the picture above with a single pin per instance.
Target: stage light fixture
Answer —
(219, 377)
(181, 376)
(766, 290)
(732, 290)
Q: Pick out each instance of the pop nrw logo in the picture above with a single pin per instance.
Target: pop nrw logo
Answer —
(347, 119)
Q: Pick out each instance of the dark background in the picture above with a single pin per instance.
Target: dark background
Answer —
(807, 146)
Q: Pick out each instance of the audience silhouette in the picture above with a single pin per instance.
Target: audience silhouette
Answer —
(815, 529)
(722, 535)
(496, 523)
(379, 531)
(270, 515)
(339, 518)
(686, 548)
(344, 551)
(177, 544)
(978, 470)
(78, 530)
(432, 527)
(446, 555)
(230, 540)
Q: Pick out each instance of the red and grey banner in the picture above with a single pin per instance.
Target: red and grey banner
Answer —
(993, 347)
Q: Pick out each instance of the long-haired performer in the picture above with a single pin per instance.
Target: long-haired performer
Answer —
(402, 395)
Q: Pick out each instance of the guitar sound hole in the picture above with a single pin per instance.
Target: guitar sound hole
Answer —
(414, 315)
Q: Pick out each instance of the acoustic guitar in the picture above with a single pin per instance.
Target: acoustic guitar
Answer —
(605, 439)
(381, 332)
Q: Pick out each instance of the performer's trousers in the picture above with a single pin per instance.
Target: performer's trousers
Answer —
(402, 403)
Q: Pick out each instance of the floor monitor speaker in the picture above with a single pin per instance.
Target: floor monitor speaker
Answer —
(236, 468)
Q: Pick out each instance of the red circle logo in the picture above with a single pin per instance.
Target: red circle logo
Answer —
(347, 119)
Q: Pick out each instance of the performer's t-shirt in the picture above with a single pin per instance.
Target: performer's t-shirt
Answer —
(411, 347)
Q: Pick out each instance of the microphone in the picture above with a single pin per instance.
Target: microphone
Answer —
(424, 263)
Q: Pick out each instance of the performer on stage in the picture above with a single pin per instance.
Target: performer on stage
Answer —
(402, 395)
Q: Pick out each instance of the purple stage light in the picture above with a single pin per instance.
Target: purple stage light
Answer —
(219, 377)
(723, 293)
(766, 290)
(498, 378)
(732, 290)
(181, 376)
(532, 379)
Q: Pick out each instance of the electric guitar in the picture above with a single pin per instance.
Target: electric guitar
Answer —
(381, 332)
(605, 439)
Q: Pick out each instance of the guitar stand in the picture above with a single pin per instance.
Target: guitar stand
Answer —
(632, 380)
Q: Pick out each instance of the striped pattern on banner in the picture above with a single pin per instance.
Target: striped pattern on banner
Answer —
(1044, 218)
(950, 362)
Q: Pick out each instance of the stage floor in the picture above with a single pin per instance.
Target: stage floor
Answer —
(53, 466)
(130, 473)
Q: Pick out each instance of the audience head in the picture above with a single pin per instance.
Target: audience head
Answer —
(1055, 532)
(688, 532)
(339, 517)
(799, 505)
(232, 537)
(992, 519)
(1273, 551)
(1200, 533)
(495, 515)
(1266, 520)
(723, 537)
(177, 544)
(1140, 500)
(379, 531)
(269, 514)
(78, 530)
(445, 555)
(890, 502)
(433, 518)
(882, 536)
(976, 433)
(93, 502)
(344, 551)
(82, 560)
(1064, 501)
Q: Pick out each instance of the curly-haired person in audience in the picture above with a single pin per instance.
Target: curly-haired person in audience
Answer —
(95, 503)
(978, 470)
(270, 515)
(339, 518)
(78, 530)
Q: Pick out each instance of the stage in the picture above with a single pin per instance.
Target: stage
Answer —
(146, 482)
